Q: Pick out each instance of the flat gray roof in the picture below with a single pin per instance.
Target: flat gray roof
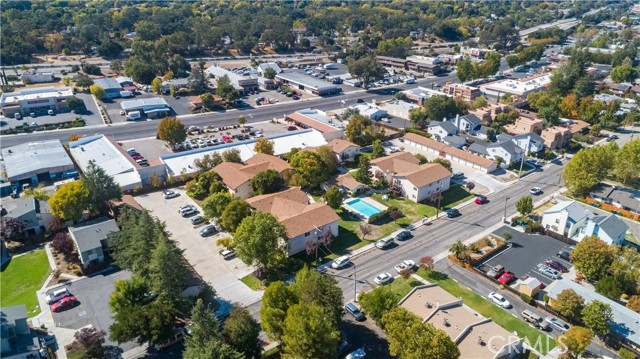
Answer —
(108, 83)
(144, 104)
(306, 81)
(27, 160)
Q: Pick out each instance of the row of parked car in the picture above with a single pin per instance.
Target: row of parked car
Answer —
(137, 157)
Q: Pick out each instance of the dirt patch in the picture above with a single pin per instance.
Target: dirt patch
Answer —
(484, 247)
(66, 268)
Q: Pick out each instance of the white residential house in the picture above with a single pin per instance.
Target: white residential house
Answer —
(468, 123)
(536, 143)
(371, 110)
(414, 181)
(609, 228)
(440, 130)
(507, 150)
(565, 218)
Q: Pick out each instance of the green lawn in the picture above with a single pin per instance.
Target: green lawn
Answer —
(402, 287)
(252, 282)
(21, 277)
(415, 211)
(487, 309)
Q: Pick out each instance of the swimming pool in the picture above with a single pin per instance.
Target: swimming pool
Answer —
(363, 207)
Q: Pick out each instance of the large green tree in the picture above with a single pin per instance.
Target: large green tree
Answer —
(363, 174)
(627, 162)
(597, 316)
(569, 304)
(265, 182)
(524, 205)
(378, 150)
(312, 287)
(592, 257)
(624, 73)
(360, 130)
(167, 270)
(377, 303)
(241, 332)
(576, 340)
(205, 340)
(328, 157)
(439, 108)
(307, 333)
(225, 90)
(260, 240)
(102, 188)
(277, 299)
(333, 197)
(410, 337)
(70, 200)
(263, 146)
(310, 169)
(204, 184)
(366, 69)
(132, 246)
(172, 131)
(588, 167)
(234, 213)
(214, 205)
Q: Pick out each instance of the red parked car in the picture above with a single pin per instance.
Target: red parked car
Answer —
(556, 265)
(64, 303)
(507, 278)
(481, 200)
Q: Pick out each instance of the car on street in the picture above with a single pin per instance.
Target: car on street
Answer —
(228, 253)
(564, 255)
(535, 320)
(452, 213)
(208, 230)
(556, 265)
(64, 303)
(383, 278)
(557, 324)
(499, 300)
(354, 311)
(197, 220)
(188, 211)
(340, 262)
(506, 278)
(481, 200)
(384, 243)
(406, 264)
(167, 194)
(549, 272)
(535, 191)
(359, 100)
(403, 235)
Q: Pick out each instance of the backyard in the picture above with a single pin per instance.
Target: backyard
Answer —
(21, 277)
(489, 310)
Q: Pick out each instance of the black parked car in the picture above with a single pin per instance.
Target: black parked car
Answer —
(451, 213)
(564, 255)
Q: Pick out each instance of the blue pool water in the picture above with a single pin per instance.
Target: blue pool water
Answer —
(363, 207)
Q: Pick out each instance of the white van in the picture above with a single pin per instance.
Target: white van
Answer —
(340, 262)
(134, 115)
(57, 295)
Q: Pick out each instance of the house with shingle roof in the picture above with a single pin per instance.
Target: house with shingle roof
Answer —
(415, 181)
(237, 177)
(343, 149)
(91, 239)
(442, 129)
(304, 221)
(345, 182)
(609, 228)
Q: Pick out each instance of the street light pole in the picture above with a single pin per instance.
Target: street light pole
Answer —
(355, 284)
(505, 208)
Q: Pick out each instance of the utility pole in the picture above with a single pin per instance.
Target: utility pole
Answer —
(505, 208)
(355, 284)
(523, 157)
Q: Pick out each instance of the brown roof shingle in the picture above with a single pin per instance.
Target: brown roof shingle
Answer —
(339, 145)
(292, 208)
(235, 174)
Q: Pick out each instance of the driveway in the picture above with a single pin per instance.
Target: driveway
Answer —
(93, 295)
(202, 253)
(526, 252)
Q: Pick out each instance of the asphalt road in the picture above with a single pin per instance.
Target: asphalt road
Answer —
(133, 130)
(439, 236)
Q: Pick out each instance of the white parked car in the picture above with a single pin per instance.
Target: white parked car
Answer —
(535, 191)
(499, 300)
(341, 262)
(383, 278)
(169, 194)
(549, 272)
(406, 264)
(384, 243)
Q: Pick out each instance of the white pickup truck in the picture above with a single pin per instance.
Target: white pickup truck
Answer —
(406, 264)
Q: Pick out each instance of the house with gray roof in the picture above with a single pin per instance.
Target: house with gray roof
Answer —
(507, 150)
(565, 218)
(609, 228)
(468, 123)
(535, 142)
(35, 214)
(442, 129)
(479, 148)
(625, 323)
(621, 197)
(91, 239)
(455, 141)
(17, 341)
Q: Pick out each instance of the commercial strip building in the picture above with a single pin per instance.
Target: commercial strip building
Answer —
(36, 76)
(113, 159)
(474, 335)
(451, 153)
(465, 92)
(38, 101)
(181, 163)
(519, 89)
(304, 220)
(241, 83)
(154, 107)
(421, 64)
(420, 94)
(35, 162)
(319, 121)
(307, 83)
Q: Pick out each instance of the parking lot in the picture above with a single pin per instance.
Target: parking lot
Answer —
(149, 148)
(202, 253)
(93, 295)
(526, 252)
(91, 116)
